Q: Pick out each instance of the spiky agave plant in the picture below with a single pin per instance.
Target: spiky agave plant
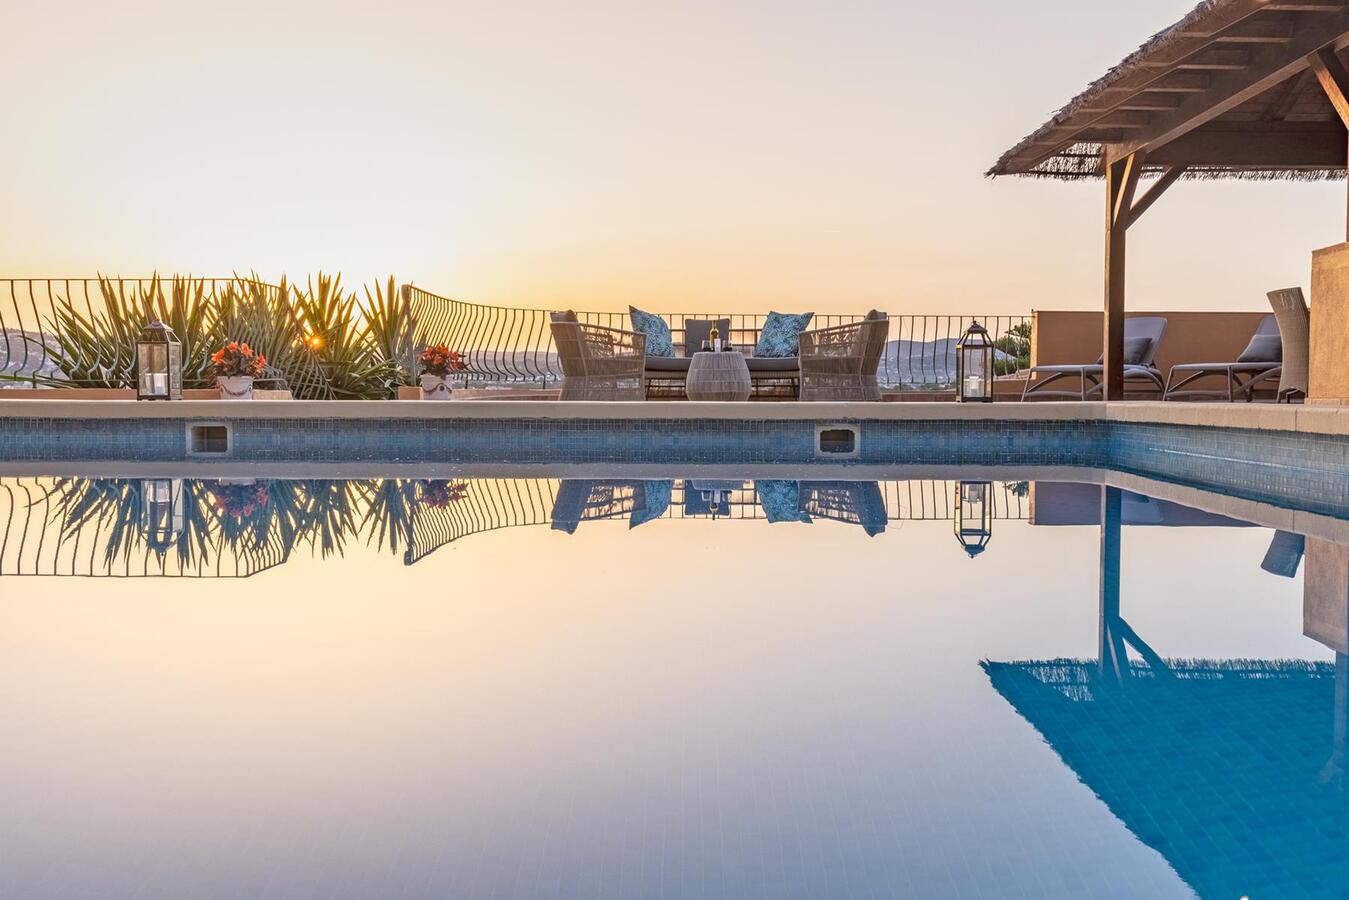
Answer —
(116, 506)
(333, 327)
(390, 329)
(97, 347)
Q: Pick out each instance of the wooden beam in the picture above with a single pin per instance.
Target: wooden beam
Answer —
(1334, 80)
(1288, 97)
(1274, 65)
(1311, 145)
(1168, 177)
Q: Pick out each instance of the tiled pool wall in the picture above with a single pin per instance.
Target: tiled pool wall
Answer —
(1295, 468)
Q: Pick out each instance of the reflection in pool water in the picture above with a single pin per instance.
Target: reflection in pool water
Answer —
(756, 687)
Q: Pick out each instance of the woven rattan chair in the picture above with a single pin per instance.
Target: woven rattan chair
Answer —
(840, 363)
(1290, 308)
(599, 363)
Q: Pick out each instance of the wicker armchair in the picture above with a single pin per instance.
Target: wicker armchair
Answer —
(840, 363)
(599, 363)
(1290, 308)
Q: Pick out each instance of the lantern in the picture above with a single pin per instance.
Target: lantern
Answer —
(162, 499)
(974, 365)
(974, 515)
(159, 364)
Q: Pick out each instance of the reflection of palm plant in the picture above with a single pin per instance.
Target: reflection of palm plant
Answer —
(389, 507)
(119, 505)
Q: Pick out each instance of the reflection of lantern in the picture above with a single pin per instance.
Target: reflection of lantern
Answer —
(159, 364)
(974, 515)
(163, 522)
(974, 365)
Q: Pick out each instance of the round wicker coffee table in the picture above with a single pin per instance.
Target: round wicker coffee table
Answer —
(718, 376)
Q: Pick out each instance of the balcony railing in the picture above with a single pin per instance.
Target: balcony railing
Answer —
(507, 345)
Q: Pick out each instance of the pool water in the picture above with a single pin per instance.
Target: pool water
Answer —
(590, 687)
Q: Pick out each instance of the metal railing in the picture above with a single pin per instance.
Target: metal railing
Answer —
(506, 345)
(30, 322)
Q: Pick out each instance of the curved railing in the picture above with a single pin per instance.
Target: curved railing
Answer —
(514, 346)
(29, 319)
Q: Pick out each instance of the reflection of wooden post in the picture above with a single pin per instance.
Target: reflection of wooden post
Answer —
(1112, 659)
(1325, 618)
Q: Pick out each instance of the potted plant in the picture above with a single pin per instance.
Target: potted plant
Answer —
(436, 363)
(439, 494)
(235, 366)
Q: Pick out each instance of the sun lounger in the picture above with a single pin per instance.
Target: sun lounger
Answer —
(1142, 336)
(1259, 364)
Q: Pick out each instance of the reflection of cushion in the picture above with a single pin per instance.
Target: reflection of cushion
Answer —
(656, 500)
(667, 363)
(780, 335)
(697, 330)
(1263, 348)
(781, 501)
(658, 341)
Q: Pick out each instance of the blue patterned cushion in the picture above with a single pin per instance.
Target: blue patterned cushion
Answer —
(656, 500)
(780, 335)
(781, 501)
(658, 340)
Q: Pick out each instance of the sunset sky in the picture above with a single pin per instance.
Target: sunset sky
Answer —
(733, 156)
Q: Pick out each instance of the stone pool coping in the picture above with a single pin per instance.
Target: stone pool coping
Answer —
(1329, 420)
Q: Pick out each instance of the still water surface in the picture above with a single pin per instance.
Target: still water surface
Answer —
(502, 688)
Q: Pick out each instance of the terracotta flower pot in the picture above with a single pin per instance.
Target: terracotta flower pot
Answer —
(235, 387)
(436, 387)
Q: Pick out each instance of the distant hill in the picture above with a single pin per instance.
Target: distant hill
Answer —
(21, 354)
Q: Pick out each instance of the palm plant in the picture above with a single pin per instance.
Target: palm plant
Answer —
(390, 329)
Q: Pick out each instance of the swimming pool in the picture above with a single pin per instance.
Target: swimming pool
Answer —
(763, 682)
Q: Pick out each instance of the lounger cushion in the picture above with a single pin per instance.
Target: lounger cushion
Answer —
(659, 364)
(781, 334)
(1263, 348)
(1135, 351)
(698, 330)
(658, 340)
(773, 363)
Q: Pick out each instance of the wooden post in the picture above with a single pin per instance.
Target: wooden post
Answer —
(1121, 180)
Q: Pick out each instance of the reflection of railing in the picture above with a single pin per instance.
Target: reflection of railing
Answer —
(35, 540)
(29, 319)
(228, 529)
(512, 345)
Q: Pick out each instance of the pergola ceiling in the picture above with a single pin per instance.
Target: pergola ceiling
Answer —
(1231, 90)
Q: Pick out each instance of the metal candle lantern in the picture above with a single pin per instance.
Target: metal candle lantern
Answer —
(162, 500)
(159, 364)
(974, 515)
(974, 365)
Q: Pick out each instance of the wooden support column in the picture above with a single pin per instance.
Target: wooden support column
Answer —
(1121, 180)
(1334, 81)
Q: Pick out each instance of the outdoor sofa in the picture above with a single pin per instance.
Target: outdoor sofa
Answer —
(835, 363)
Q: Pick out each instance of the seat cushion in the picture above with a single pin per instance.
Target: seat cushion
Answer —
(781, 334)
(562, 316)
(668, 364)
(773, 363)
(658, 340)
(1263, 348)
(697, 330)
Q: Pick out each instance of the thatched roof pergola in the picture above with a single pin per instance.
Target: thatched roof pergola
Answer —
(1252, 89)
